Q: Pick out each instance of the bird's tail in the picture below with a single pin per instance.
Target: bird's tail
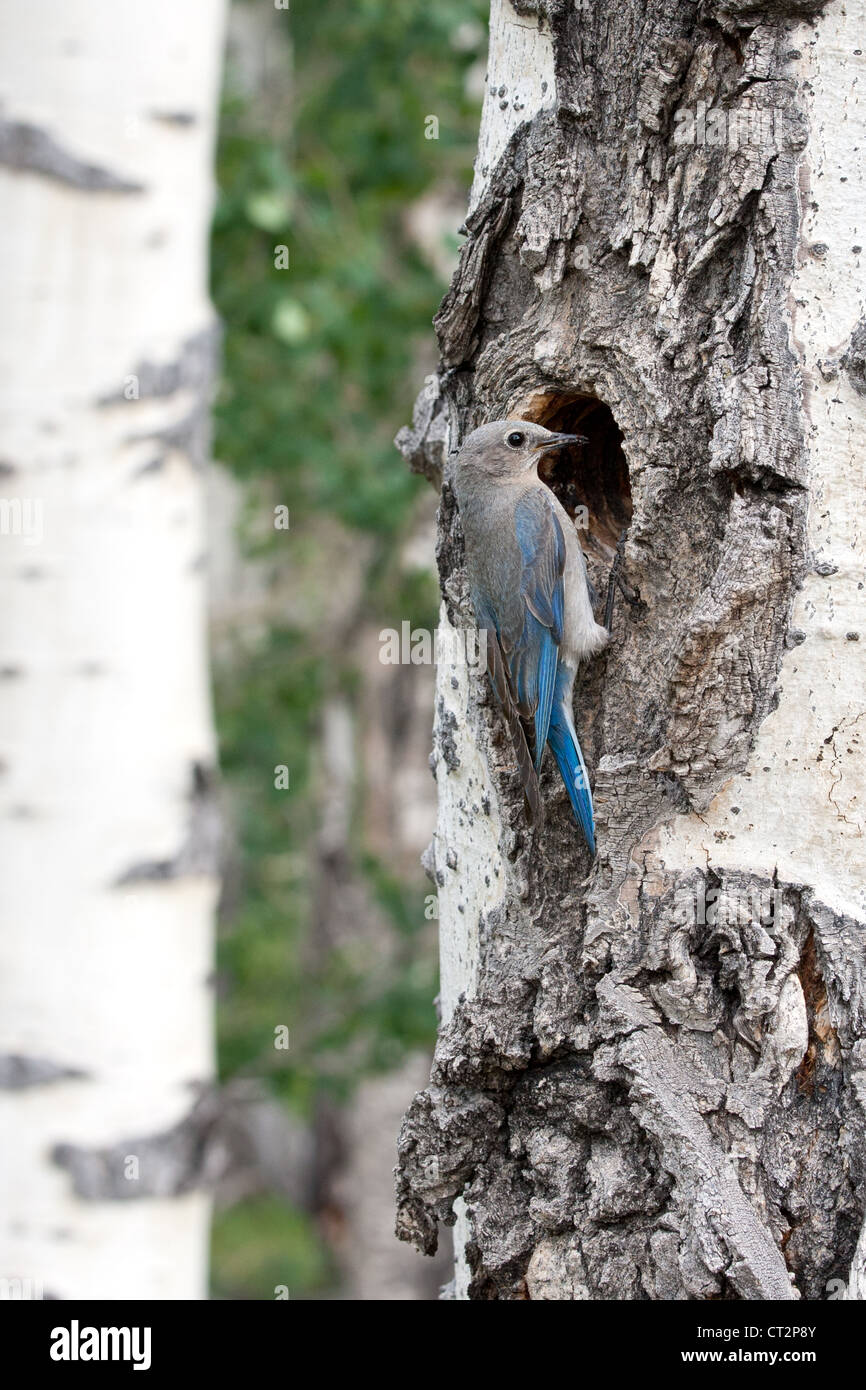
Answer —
(569, 759)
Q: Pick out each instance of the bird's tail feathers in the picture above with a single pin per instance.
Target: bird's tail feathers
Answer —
(569, 759)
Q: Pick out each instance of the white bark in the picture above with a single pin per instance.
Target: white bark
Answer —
(462, 778)
(802, 797)
(520, 61)
(801, 801)
(109, 886)
(520, 82)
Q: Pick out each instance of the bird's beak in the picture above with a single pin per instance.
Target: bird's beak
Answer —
(559, 441)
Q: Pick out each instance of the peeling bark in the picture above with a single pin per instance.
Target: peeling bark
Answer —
(648, 1082)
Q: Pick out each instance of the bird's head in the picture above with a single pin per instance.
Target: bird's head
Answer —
(507, 449)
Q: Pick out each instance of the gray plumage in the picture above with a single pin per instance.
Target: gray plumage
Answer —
(528, 584)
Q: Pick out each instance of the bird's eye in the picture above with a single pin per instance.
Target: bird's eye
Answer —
(514, 439)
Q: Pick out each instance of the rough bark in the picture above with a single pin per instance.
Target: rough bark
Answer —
(107, 788)
(649, 1082)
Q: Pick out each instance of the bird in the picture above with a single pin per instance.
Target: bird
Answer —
(531, 596)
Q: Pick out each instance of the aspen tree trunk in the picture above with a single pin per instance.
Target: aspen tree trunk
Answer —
(651, 1070)
(108, 882)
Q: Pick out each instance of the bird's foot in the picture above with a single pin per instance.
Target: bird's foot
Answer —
(615, 581)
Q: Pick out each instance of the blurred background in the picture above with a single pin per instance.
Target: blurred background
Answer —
(325, 918)
(305, 171)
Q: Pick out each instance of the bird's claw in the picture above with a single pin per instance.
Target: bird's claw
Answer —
(615, 581)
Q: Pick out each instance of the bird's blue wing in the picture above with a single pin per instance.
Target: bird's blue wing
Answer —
(532, 652)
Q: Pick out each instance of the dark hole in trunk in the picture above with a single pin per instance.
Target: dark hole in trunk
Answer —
(594, 475)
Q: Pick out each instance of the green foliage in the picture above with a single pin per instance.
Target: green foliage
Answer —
(318, 357)
(320, 368)
(266, 714)
(262, 1243)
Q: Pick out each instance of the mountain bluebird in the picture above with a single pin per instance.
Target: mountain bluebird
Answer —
(529, 588)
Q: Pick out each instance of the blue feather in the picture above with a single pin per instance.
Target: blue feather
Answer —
(537, 655)
(529, 632)
(569, 760)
